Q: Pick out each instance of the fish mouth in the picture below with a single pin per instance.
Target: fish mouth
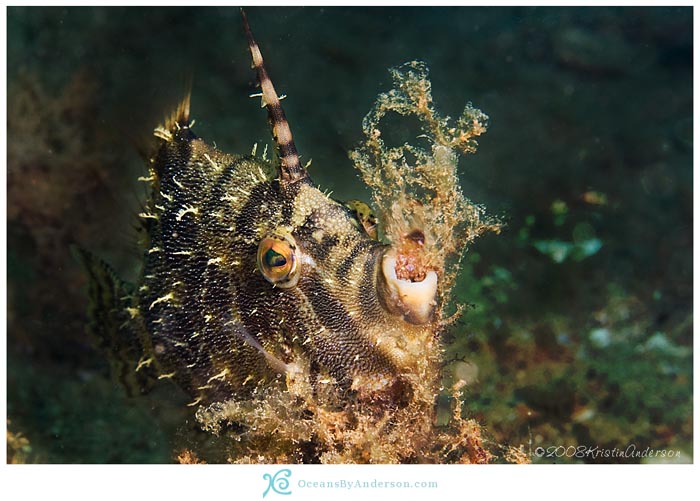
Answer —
(413, 299)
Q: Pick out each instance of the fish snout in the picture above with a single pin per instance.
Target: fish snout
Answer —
(414, 299)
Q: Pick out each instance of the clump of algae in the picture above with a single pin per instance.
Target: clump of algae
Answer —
(427, 220)
(18, 448)
(420, 206)
(300, 426)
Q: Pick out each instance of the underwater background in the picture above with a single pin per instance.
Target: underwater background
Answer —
(579, 330)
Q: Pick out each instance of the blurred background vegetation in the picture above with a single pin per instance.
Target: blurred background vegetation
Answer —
(579, 330)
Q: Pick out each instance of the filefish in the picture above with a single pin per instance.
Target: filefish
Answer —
(252, 277)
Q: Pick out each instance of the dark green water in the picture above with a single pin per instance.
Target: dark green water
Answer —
(582, 321)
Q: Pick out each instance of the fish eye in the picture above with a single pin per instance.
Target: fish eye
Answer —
(277, 260)
(364, 217)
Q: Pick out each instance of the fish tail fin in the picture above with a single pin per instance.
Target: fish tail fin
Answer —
(115, 325)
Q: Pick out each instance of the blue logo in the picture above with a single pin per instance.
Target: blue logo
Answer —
(279, 482)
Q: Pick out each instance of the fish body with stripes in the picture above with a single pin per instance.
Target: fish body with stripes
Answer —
(253, 278)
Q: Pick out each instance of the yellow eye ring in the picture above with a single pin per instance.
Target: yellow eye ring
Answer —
(277, 260)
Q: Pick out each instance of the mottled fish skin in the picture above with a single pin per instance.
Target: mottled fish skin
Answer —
(203, 297)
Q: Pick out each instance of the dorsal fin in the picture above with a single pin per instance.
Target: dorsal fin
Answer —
(147, 144)
(179, 118)
(290, 168)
